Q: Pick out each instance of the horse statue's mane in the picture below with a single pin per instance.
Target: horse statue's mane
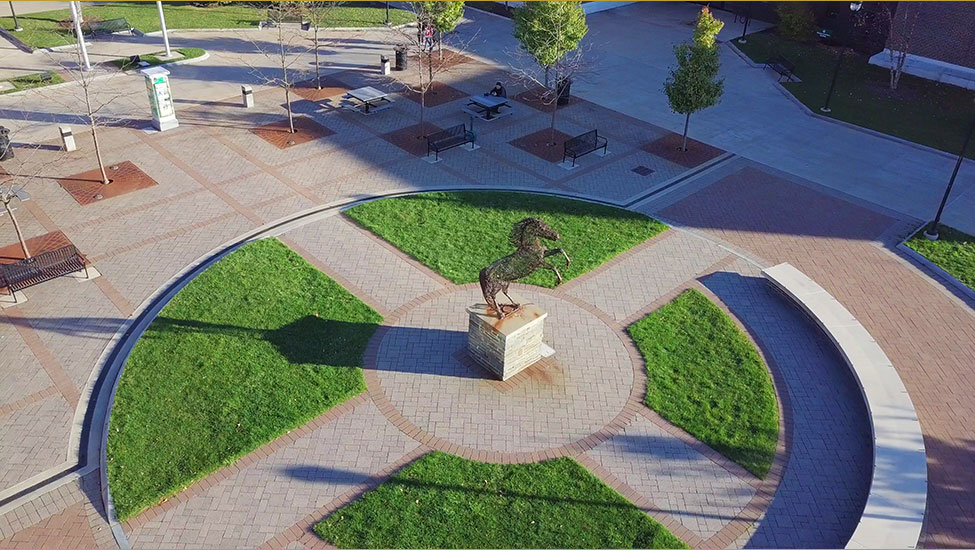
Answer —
(517, 234)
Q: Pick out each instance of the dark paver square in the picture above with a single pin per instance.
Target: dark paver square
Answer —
(87, 187)
(669, 148)
(438, 94)
(536, 98)
(643, 170)
(411, 138)
(36, 245)
(331, 87)
(277, 133)
(542, 145)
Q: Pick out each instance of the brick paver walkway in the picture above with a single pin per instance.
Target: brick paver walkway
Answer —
(217, 180)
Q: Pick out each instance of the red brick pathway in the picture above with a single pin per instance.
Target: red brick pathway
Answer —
(926, 334)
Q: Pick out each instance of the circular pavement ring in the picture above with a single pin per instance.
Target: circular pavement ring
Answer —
(418, 373)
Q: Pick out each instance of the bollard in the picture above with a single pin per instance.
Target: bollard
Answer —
(248, 96)
(67, 138)
(384, 64)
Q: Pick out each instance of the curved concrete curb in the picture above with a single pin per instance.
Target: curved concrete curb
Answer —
(894, 512)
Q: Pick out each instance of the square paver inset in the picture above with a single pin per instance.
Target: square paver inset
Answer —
(124, 177)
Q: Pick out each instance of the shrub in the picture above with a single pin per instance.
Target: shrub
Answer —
(796, 21)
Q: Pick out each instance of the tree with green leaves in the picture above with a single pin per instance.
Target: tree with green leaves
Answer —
(444, 15)
(694, 84)
(550, 33)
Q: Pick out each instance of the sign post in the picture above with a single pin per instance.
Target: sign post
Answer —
(160, 98)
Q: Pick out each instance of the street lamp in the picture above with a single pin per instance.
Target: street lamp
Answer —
(387, 13)
(932, 232)
(854, 7)
(748, 17)
(17, 26)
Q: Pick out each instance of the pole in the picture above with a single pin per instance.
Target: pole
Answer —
(932, 232)
(387, 12)
(744, 30)
(829, 95)
(162, 23)
(17, 27)
(76, 15)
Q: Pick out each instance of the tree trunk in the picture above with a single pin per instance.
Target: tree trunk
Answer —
(430, 66)
(98, 154)
(287, 104)
(440, 44)
(318, 69)
(423, 89)
(20, 234)
(687, 121)
(555, 109)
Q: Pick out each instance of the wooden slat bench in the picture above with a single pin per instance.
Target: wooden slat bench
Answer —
(448, 138)
(583, 144)
(40, 268)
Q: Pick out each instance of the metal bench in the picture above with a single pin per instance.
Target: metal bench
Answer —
(583, 145)
(276, 16)
(781, 65)
(108, 26)
(40, 268)
(450, 137)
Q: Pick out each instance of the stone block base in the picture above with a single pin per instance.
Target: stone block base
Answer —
(506, 346)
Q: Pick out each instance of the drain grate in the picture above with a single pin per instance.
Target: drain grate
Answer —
(643, 170)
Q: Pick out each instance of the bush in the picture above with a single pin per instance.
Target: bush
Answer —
(796, 21)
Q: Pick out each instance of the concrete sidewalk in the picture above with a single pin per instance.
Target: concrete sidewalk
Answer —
(632, 50)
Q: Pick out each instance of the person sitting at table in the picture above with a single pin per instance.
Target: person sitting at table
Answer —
(498, 91)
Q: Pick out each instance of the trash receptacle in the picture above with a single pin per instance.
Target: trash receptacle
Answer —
(400, 58)
(6, 151)
(564, 88)
(384, 64)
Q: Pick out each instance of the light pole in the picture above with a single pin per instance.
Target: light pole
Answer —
(854, 7)
(76, 16)
(932, 232)
(162, 23)
(17, 27)
(387, 13)
(744, 30)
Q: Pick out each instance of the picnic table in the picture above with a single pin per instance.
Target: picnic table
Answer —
(369, 98)
(488, 105)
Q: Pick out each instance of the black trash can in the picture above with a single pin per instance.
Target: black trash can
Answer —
(6, 151)
(564, 88)
(400, 59)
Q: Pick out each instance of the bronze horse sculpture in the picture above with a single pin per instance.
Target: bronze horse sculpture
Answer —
(530, 256)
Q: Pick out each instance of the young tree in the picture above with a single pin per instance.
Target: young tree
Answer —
(19, 169)
(694, 84)
(550, 33)
(900, 29)
(284, 54)
(318, 14)
(444, 16)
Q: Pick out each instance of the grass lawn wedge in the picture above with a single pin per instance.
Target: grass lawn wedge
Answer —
(953, 252)
(28, 81)
(157, 58)
(444, 501)
(705, 376)
(258, 344)
(458, 234)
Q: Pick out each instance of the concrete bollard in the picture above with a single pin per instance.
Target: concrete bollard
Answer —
(384, 64)
(247, 94)
(67, 138)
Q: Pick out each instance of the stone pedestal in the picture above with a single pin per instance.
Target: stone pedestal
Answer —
(506, 346)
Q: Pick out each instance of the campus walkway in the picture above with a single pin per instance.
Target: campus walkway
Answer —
(218, 180)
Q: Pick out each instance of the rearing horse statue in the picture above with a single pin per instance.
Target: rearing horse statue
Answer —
(530, 256)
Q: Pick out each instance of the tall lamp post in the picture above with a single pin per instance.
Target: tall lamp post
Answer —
(932, 232)
(387, 13)
(17, 26)
(854, 7)
(748, 17)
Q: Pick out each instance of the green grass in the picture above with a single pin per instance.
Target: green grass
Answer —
(46, 29)
(29, 81)
(154, 59)
(704, 375)
(922, 111)
(258, 344)
(458, 234)
(954, 252)
(443, 501)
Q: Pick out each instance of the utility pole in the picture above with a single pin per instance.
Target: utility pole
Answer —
(17, 27)
(162, 23)
(76, 15)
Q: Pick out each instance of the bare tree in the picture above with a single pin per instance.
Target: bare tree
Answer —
(318, 14)
(900, 30)
(20, 169)
(428, 66)
(285, 53)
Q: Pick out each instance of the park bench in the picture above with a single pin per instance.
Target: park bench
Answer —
(108, 26)
(583, 144)
(42, 267)
(450, 137)
(781, 65)
(275, 16)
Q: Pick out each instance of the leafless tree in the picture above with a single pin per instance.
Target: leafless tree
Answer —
(900, 30)
(420, 47)
(318, 14)
(573, 66)
(21, 169)
(285, 54)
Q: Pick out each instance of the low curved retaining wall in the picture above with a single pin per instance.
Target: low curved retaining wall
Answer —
(894, 512)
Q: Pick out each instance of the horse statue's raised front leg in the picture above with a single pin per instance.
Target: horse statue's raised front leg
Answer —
(553, 252)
